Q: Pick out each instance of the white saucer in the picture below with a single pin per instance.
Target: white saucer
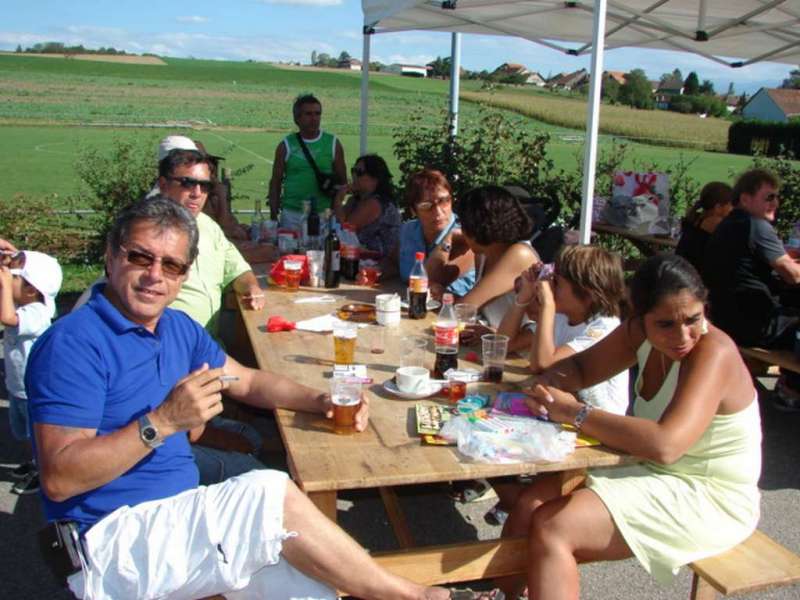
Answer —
(390, 386)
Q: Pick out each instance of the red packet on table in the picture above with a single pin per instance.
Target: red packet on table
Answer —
(276, 323)
(277, 272)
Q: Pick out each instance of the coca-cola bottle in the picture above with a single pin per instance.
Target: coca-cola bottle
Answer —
(418, 289)
(350, 252)
(446, 340)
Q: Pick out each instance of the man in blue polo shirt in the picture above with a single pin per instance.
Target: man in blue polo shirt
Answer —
(117, 389)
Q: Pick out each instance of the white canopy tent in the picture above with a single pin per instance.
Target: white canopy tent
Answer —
(747, 30)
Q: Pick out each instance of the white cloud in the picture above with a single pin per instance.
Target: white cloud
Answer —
(304, 2)
(192, 19)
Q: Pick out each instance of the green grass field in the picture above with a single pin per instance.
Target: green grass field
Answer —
(51, 108)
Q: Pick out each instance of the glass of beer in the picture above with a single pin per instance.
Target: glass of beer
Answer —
(346, 399)
(495, 347)
(344, 342)
(293, 270)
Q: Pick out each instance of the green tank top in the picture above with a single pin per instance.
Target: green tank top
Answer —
(299, 182)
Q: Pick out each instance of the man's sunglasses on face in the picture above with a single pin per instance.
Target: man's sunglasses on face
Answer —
(170, 267)
(189, 183)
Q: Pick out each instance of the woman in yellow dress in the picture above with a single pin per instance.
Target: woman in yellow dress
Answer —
(695, 426)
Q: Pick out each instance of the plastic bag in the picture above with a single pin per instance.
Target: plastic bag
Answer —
(509, 439)
(277, 273)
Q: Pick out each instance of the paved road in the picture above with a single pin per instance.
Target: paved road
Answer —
(434, 519)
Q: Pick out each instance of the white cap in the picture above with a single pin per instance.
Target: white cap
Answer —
(175, 142)
(44, 273)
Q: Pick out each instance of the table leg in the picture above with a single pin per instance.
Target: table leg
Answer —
(571, 479)
(325, 502)
(396, 518)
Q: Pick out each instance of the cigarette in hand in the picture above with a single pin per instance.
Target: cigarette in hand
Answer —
(224, 378)
(250, 296)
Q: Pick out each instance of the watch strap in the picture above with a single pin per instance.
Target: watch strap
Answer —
(581, 416)
(149, 433)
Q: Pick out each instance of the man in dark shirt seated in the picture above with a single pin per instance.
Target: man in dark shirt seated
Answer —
(740, 260)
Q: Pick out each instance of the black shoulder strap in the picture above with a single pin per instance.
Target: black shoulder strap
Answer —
(310, 159)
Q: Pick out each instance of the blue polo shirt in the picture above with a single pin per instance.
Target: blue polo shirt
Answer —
(95, 369)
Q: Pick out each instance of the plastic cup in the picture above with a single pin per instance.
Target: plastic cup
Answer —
(293, 270)
(466, 314)
(413, 350)
(344, 342)
(346, 400)
(457, 386)
(495, 347)
(376, 336)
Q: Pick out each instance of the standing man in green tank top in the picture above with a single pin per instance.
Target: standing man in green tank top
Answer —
(293, 178)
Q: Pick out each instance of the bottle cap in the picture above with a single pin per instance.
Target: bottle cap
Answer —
(447, 298)
(419, 256)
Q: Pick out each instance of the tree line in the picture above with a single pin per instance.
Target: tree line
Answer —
(60, 48)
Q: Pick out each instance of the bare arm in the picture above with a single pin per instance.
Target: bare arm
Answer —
(276, 183)
(445, 266)
(264, 389)
(367, 211)
(75, 460)
(339, 164)
(246, 286)
(788, 269)
(8, 311)
(703, 383)
(500, 279)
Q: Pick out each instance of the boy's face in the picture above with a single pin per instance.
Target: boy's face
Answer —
(21, 291)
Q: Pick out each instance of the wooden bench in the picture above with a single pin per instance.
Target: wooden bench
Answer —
(785, 359)
(756, 564)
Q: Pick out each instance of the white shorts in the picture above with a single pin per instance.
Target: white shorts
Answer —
(221, 539)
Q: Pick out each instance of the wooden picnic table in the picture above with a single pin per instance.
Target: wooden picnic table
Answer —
(389, 453)
(647, 244)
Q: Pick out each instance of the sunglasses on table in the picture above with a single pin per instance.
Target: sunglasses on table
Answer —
(189, 183)
(170, 267)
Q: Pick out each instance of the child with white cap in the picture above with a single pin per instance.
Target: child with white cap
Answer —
(29, 282)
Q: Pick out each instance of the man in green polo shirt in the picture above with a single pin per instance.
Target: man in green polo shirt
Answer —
(293, 178)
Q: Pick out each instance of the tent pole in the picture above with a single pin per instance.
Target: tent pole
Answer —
(364, 90)
(455, 81)
(593, 119)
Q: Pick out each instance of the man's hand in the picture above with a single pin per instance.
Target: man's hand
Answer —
(253, 299)
(192, 402)
(362, 415)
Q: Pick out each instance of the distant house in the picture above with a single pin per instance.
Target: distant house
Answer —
(770, 104)
(731, 101)
(570, 81)
(407, 70)
(351, 63)
(531, 77)
(654, 85)
(667, 88)
(618, 76)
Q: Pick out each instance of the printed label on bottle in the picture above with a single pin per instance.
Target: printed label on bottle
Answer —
(418, 285)
(446, 336)
(349, 252)
(335, 260)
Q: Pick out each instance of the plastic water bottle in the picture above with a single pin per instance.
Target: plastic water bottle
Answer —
(418, 289)
(303, 241)
(446, 338)
(255, 224)
(313, 226)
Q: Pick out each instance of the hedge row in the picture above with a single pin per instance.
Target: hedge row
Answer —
(767, 138)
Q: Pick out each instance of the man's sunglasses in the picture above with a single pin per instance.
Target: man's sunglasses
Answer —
(170, 267)
(358, 171)
(189, 183)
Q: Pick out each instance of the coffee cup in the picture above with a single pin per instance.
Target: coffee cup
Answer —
(412, 380)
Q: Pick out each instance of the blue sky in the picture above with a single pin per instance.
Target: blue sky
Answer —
(288, 30)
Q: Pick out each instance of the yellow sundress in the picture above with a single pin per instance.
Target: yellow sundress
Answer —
(703, 504)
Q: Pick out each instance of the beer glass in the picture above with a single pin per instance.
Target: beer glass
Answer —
(346, 399)
(293, 270)
(344, 342)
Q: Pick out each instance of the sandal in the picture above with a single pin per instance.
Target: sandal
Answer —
(468, 594)
(496, 515)
(472, 490)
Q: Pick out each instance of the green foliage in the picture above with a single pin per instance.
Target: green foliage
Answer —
(764, 137)
(440, 66)
(637, 91)
(793, 81)
(111, 180)
(492, 149)
(34, 223)
(611, 89)
(691, 86)
(701, 104)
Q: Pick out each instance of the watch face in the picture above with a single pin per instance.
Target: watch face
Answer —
(149, 434)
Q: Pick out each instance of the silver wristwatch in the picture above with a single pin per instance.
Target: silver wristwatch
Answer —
(583, 413)
(148, 433)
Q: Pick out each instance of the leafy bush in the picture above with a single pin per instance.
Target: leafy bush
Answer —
(110, 180)
(491, 149)
(764, 137)
(33, 224)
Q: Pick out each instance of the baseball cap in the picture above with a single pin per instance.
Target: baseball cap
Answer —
(175, 142)
(44, 273)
